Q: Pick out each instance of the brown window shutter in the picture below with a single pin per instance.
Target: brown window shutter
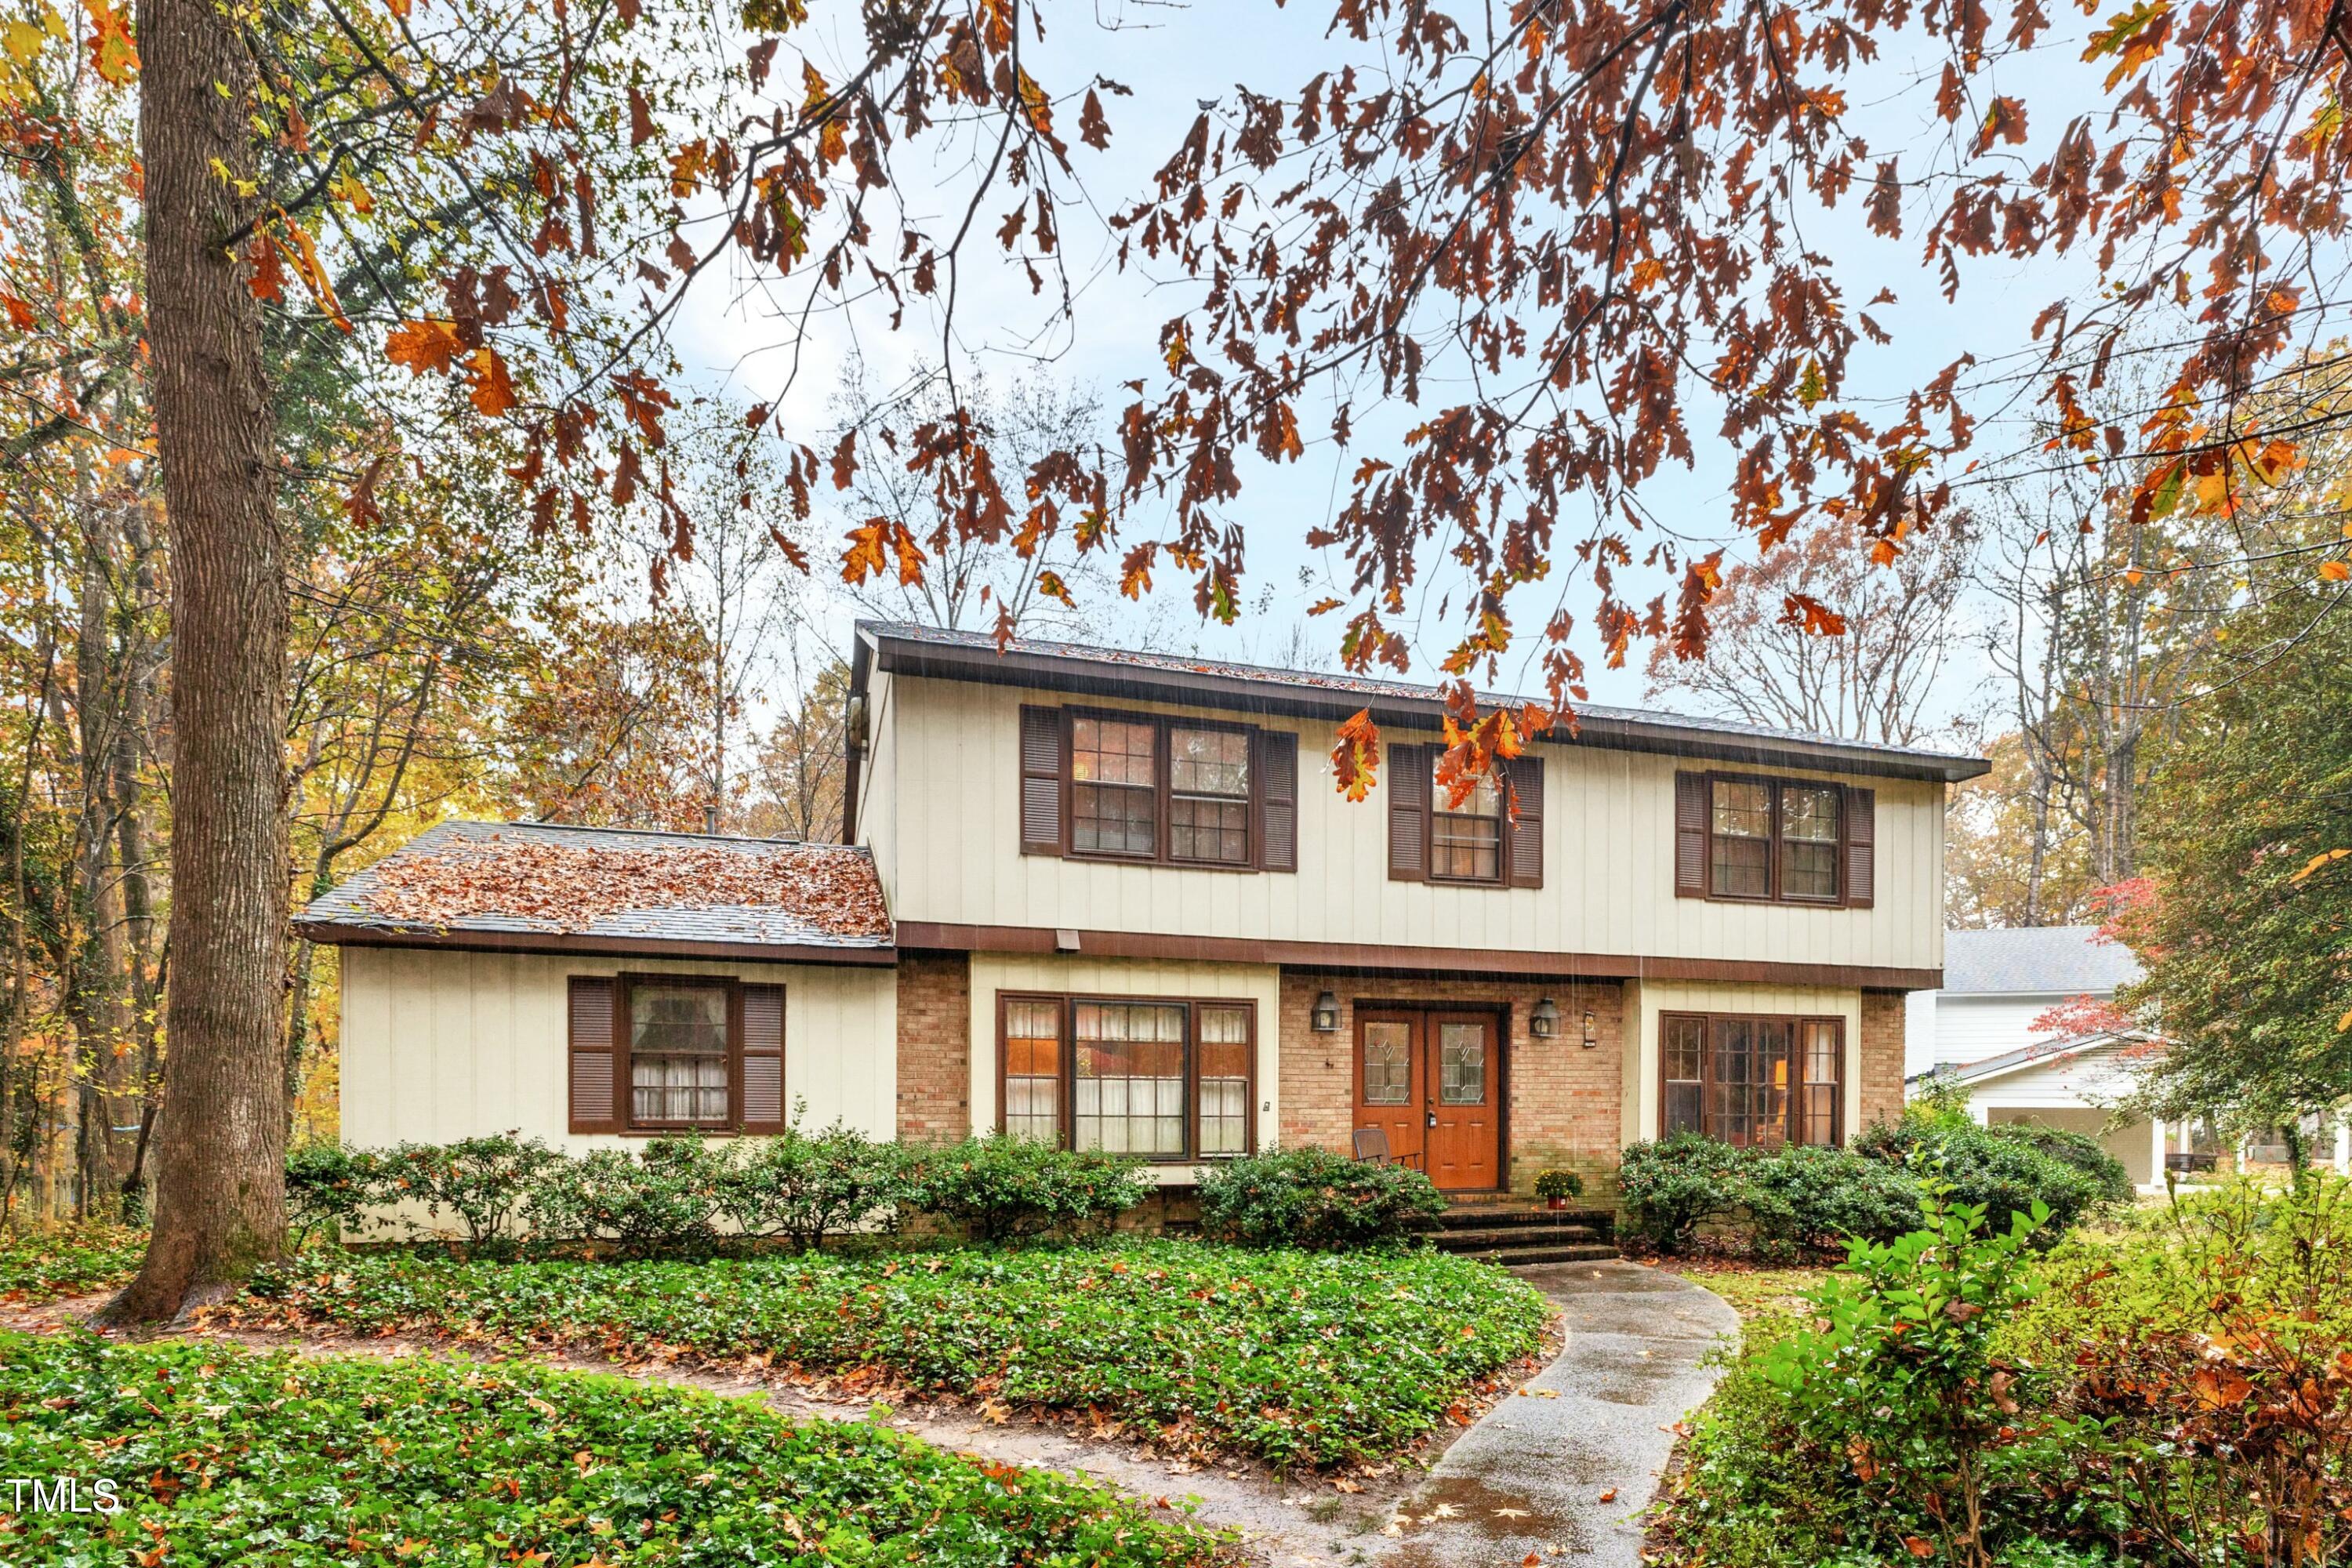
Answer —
(596, 1058)
(1041, 781)
(1690, 836)
(1861, 823)
(1277, 799)
(1408, 789)
(763, 1058)
(1523, 777)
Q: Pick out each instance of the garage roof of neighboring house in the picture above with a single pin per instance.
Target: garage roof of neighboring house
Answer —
(905, 650)
(2041, 1051)
(2064, 961)
(531, 887)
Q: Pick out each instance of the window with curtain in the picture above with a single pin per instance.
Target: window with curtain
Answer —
(1129, 1077)
(1114, 784)
(678, 1056)
(1167, 1080)
(1033, 1070)
(1466, 838)
(1752, 1080)
(1224, 1081)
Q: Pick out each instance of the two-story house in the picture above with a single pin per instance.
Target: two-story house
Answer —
(1113, 899)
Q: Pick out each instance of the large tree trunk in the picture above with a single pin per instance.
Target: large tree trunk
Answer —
(221, 1142)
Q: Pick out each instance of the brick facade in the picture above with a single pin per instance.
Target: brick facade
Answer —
(1879, 1061)
(934, 1047)
(1565, 1099)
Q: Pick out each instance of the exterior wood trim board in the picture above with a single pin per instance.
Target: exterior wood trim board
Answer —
(1371, 957)
(569, 945)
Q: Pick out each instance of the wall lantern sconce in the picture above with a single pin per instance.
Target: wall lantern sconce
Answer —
(1544, 1022)
(1591, 1031)
(1327, 1013)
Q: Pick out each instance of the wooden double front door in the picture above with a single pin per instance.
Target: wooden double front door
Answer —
(1432, 1080)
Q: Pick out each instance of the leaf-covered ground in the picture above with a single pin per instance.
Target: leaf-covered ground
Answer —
(1295, 1358)
(222, 1457)
(41, 1266)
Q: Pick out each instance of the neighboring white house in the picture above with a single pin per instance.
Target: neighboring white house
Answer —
(1979, 1030)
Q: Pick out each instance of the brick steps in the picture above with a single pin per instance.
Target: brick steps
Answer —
(1503, 1228)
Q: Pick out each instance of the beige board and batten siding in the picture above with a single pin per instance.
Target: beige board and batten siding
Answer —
(1113, 979)
(946, 755)
(439, 1044)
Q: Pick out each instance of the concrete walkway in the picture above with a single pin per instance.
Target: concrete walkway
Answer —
(1564, 1468)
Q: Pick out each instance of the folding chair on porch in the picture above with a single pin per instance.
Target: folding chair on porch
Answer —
(1372, 1144)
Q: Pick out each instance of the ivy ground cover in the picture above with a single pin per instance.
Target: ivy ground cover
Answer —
(218, 1457)
(41, 1266)
(1295, 1358)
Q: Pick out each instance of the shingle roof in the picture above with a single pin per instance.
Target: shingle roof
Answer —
(2066, 961)
(1037, 662)
(614, 887)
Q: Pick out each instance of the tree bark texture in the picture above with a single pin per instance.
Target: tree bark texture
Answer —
(220, 1143)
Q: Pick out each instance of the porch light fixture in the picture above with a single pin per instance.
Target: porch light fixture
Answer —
(1327, 1013)
(1544, 1020)
(1592, 1030)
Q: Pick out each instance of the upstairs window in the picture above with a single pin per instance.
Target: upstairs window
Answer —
(1766, 840)
(1466, 838)
(1149, 787)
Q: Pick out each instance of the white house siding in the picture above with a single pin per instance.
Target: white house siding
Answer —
(1110, 978)
(1647, 999)
(947, 751)
(1970, 1029)
(2075, 1090)
(439, 1044)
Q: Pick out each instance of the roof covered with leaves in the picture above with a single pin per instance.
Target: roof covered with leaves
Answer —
(528, 879)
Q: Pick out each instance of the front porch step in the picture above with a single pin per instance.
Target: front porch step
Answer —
(1517, 1237)
(1520, 1257)
(1488, 1214)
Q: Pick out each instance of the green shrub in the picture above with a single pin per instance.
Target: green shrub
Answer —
(804, 1186)
(663, 1200)
(222, 1457)
(328, 1188)
(1804, 1199)
(1314, 1199)
(486, 1182)
(1002, 1188)
(2110, 1182)
(1297, 1358)
(1899, 1374)
(1675, 1184)
(2001, 1171)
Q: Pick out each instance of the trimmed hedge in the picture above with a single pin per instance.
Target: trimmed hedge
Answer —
(684, 1197)
(218, 1457)
(1297, 1358)
(1315, 1199)
(1798, 1200)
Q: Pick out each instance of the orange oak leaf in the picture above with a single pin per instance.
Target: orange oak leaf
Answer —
(112, 49)
(1356, 755)
(493, 392)
(422, 346)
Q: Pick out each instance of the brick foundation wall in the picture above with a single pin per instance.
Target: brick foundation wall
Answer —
(1879, 1061)
(1564, 1100)
(934, 1048)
